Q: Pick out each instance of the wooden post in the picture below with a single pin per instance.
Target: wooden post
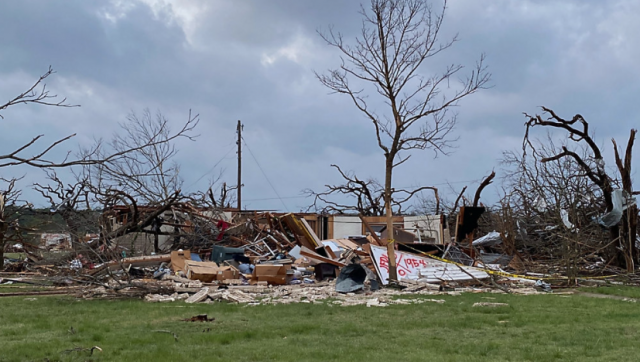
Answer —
(371, 231)
(239, 129)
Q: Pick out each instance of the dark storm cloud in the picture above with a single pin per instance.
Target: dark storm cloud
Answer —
(254, 60)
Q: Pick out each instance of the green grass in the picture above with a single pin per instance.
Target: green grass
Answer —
(618, 290)
(531, 328)
(21, 288)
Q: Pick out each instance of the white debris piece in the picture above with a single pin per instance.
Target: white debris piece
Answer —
(199, 296)
(485, 304)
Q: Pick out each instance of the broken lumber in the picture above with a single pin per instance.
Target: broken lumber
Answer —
(312, 254)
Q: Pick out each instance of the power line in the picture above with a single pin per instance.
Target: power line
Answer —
(264, 174)
(213, 167)
(305, 197)
(276, 198)
(441, 184)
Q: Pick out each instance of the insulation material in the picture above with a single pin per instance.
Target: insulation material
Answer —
(620, 203)
(491, 239)
(564, 215)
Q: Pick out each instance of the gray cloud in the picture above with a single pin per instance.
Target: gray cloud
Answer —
(254, 60)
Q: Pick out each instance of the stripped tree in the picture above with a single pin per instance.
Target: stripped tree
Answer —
(149, 176)
(386, 61)
(548, 207)
(72, 201)
(28, 154)
(364, 197)
(622, 230)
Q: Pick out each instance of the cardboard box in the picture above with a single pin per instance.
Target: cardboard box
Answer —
(302, 262)
(178, 258)
(208, 271)
(227, 272)
(201, 270)
(277, 274)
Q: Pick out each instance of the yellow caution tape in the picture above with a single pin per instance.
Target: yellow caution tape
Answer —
(505, 274)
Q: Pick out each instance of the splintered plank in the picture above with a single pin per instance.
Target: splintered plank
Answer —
(312, 254)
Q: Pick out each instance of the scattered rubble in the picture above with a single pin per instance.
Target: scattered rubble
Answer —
(278, 259)
(486, 304)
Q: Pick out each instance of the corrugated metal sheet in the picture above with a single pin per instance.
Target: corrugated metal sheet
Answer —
(450, 272)
(496, 259)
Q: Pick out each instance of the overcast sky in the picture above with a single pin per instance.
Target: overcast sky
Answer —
(254, 60)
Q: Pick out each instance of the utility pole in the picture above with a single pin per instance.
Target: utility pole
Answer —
(239, 143)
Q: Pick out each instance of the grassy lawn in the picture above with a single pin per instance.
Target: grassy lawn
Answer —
(618, 290)
(531, 328)
(20, 288)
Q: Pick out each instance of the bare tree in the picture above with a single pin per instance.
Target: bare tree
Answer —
(226, 196)
(148, 175)
(396, 39)
(547, 209)
(368, 195)
(9, 213)
(149, 171)
(72, 201)
(35, 94)
(591, 167)
(123, 151)
(141, 194)
(630, 215)
(38, 94)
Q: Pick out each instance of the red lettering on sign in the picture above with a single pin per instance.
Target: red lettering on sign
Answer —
(384, 262)
(406, 265)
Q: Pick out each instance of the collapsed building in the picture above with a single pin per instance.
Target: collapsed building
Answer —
(201, 255)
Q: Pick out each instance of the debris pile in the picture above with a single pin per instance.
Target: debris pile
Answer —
(271, 259)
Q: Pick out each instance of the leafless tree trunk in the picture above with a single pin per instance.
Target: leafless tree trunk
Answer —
(486, 182)
(630, 215)
(129, 149)
(148, 175)
(10, 230)
(396, 38)
(38, 94)
(592, 167)
(537, 196)
(67, 200)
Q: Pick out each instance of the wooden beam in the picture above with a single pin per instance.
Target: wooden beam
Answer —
(371, 231)
(312, 254)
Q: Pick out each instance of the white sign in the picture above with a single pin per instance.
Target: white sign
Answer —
(411, 266)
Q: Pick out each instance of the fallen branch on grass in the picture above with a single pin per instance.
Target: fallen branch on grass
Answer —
(483, 283)
(81, 349)
(175, 336)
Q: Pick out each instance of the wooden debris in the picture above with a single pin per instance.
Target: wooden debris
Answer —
(140, 261)
(199, 296)
(81, 349)
(199, 318)
(312, 254)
